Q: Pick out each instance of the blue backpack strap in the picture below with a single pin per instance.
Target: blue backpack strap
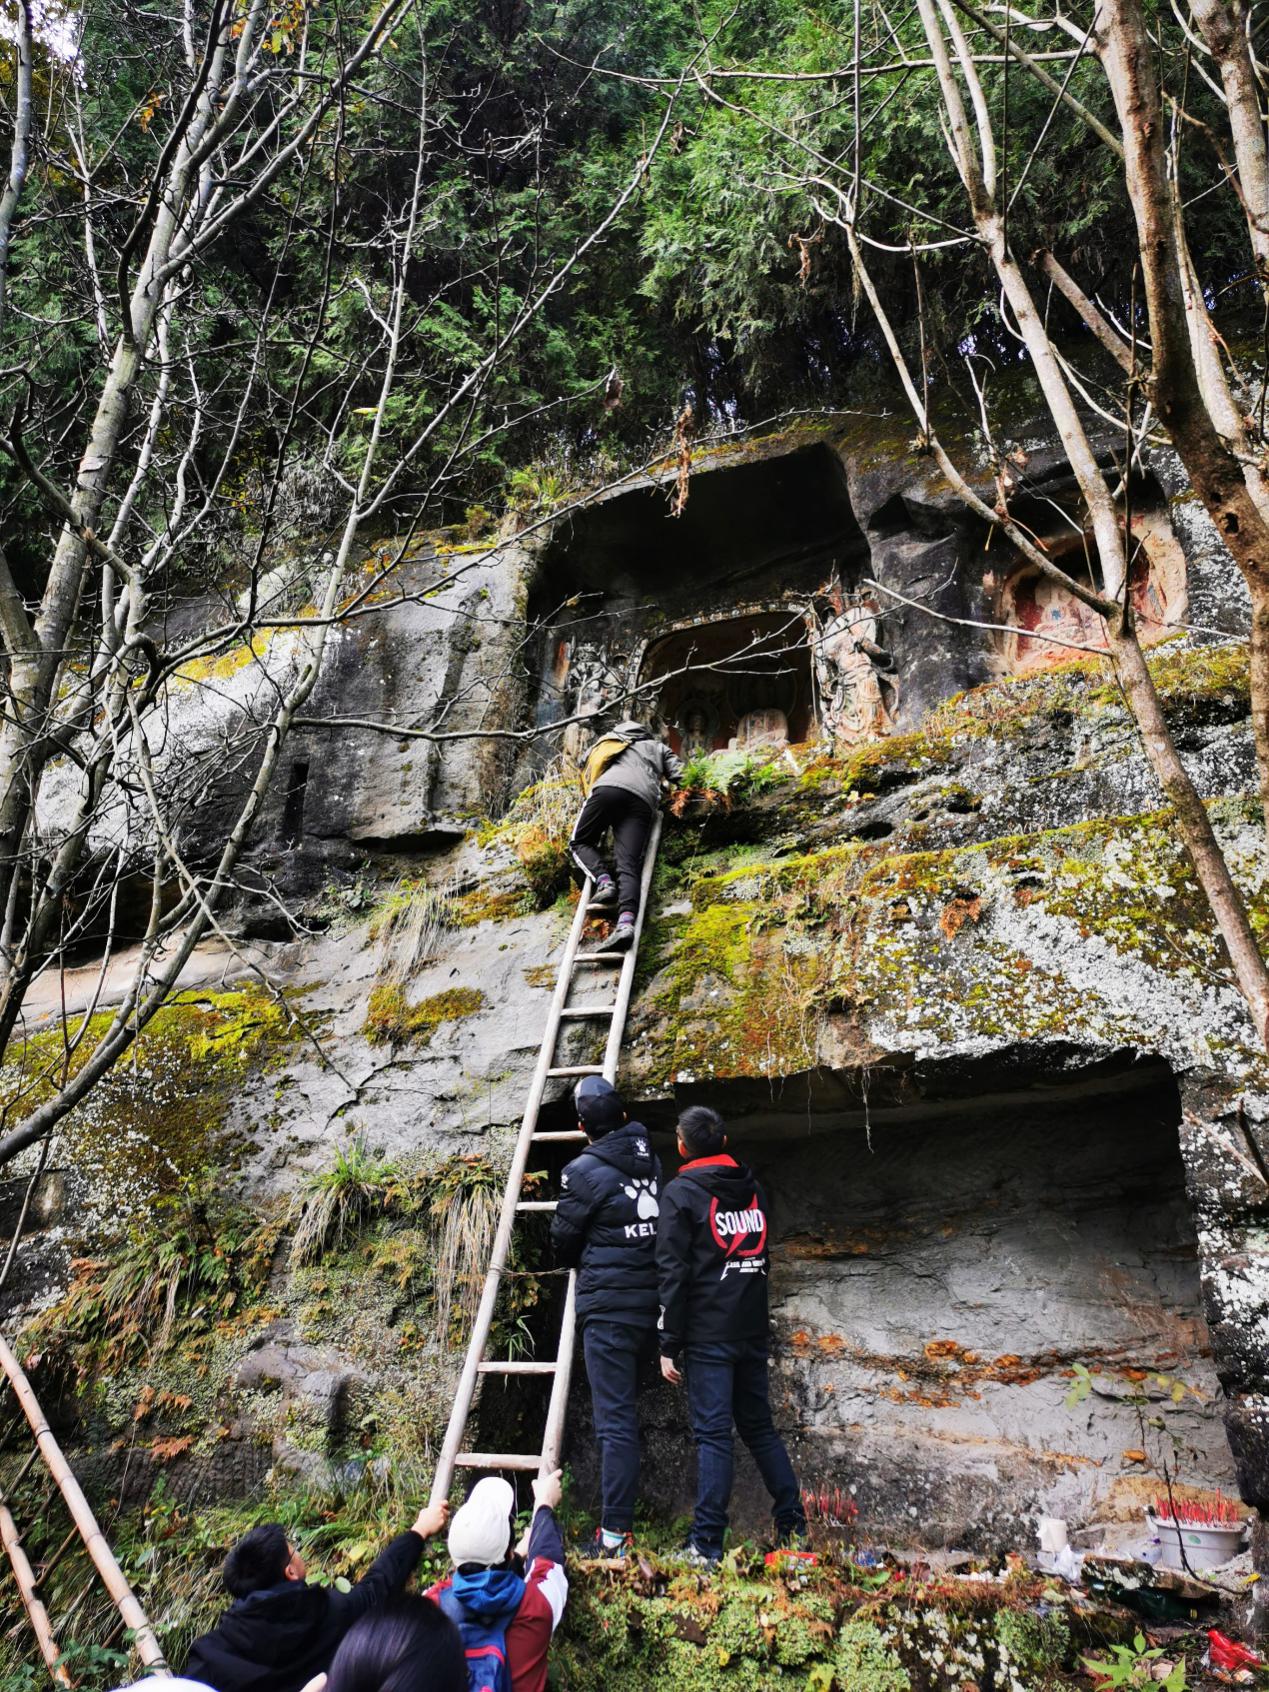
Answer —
(484, 1642)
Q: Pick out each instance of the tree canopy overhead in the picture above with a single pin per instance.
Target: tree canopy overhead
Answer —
(277, 280)
(722, 285)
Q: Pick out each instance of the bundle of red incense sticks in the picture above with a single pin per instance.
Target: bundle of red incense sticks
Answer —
(1199, 1512)
(835, 1507)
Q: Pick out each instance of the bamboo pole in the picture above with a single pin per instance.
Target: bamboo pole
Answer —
(36, 1614)
(112, 1576)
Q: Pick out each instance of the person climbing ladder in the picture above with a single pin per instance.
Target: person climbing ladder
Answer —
(622, 778)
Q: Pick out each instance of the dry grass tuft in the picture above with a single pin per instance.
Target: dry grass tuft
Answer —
(336, 1203)
(411, 929)
(464, 1217)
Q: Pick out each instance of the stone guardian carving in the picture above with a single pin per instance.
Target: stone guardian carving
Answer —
(855, 675)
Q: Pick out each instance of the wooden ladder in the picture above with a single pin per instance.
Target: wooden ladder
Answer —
(453, 1455)
(84, 1529)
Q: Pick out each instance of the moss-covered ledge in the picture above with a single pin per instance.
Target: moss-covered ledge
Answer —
(1095, 933)
(654, 1627)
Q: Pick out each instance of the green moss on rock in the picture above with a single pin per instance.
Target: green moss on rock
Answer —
(159, 1117)
(1030, 937)
(493, 904)
(536, 831)
(734, 999)
(392, 1021)
(686, 1635)
(1033, 1647)
(864, 1662)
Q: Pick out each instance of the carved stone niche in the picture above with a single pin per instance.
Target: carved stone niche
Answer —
(743, 680)
(1045, 624)
(765, 727)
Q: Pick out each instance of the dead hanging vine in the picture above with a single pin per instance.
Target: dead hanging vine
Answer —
(684, 429)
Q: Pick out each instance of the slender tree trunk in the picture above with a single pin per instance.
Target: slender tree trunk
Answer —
(1224, 29)
(1193, 825)
(20, 151)
(1210, 456)
(1260, 688)
(26, 743)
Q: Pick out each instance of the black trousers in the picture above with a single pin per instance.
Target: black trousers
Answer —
(631, 822)
(616, 1354)
(727, 1388)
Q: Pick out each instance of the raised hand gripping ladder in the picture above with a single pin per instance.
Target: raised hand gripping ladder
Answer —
(85, 1528)
(542, 1462)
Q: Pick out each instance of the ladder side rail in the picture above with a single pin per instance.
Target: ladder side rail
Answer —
(28, 1591)
(557, 1408)
(112, 1576)
(506, 1222)
(553, 1436)
(50, 1564)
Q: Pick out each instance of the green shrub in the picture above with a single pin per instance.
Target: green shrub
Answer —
(727, 775)
(336, 1203)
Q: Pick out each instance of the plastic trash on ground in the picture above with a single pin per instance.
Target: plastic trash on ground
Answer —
(1230, 1654)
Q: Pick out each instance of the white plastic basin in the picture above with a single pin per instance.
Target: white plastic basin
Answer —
(1205, 1547)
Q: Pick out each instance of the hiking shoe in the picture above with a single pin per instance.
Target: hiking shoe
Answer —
(604, 894)
(600, 1545)
(698, 1559)
(623, 935)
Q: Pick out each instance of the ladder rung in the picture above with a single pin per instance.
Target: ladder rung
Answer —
(562, 1134)
(601, 957)
(496, 1460)
(497, 1367)
(574, 1011)
(537, 1204)
(576, 1069)
(33, 1457)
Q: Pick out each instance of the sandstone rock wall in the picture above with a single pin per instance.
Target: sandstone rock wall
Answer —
(956, 992)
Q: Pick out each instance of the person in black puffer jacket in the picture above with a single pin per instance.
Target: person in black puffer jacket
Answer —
(605, 1226)
(279, 1632)
(713, 1259)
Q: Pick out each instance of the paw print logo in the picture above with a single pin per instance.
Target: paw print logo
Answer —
(644, 1193)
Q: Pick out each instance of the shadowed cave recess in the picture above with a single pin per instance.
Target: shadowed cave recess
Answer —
(791, 595)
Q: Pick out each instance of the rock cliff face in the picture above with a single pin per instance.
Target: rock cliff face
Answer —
(949, 978)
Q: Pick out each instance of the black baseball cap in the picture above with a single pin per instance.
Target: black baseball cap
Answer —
(598, 1104)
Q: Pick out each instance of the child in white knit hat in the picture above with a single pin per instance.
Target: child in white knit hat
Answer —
(506, 1600)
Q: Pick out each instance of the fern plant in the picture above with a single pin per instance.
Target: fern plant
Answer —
(201, 1260)
(720, 777)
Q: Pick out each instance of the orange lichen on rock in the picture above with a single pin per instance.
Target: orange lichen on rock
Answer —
(958, 911)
